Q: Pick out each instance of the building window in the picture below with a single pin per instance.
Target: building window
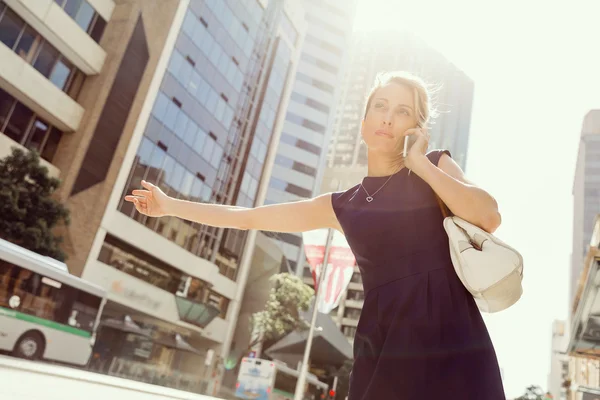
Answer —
(352, 313)
(44, 298)
(310, 102)
(349, 331)
(143, 266)
(315, 82)
(301, 144)
(46, 58)
(21, 125)
(298, 191)
(355, 295)
(298, 120)
(85, 16)
(295, 165)
(19, 122)
(220, 302)
(35, 50)
(26, 42)
(11, 26)
(324, 45)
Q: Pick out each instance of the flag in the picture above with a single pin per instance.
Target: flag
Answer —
(339, 269)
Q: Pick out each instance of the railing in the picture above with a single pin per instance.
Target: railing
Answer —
(161, 375)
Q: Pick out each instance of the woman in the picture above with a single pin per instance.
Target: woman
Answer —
(420, 334)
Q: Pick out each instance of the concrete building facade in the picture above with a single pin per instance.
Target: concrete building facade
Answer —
(187, 94)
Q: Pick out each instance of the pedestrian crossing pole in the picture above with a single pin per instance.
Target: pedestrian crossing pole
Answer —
(299, 393)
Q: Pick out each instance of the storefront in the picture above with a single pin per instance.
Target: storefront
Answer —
(138, 346)
(160, 325)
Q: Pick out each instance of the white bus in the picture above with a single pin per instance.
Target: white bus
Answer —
(45, 312)
(261, 379)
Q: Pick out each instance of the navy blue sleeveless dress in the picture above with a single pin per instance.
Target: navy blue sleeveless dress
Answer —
(420, 335)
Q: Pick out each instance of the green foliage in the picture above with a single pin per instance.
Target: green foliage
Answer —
(281, 315)
(29, 213)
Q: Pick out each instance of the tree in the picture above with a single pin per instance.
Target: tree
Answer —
(281, 315)
(532, 392)
(288, 296)
(29, 213)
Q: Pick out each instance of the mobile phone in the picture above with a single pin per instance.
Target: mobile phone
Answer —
(409, 140)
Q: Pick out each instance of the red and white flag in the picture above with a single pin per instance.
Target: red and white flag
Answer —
(339, 269)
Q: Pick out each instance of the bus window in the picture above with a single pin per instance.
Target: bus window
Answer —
(38, 298)
(84, 311)
(46, 298)
(8, 279)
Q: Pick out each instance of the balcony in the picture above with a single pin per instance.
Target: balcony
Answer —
(22, 81)
(6, 145)
(50, 20)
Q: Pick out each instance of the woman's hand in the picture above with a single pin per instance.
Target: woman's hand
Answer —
(152, 202)
(416, 156)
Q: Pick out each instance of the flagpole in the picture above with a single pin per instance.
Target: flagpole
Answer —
(299, 393)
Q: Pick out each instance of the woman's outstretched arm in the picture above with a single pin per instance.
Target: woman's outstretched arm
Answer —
(296, 216)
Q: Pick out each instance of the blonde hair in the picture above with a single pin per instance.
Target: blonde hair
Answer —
(421, 93)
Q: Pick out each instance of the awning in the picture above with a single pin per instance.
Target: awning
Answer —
(176, 341)
(125, 324)
(200, 314)
(329, 347)
(585, 329)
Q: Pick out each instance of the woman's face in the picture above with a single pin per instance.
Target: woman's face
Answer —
(390, 114)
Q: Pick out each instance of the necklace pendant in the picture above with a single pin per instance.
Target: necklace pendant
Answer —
(369, 199)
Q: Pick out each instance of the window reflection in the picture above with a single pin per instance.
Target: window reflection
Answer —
(71, 7)
(10, 27)
(61, 73)
(60, 303)
(35, 50)
(38, 134)
(26, 41)
(18, 124)
(85, 16)
(145, 267)
(21, 125)
(46, 59)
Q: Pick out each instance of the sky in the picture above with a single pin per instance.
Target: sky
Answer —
(536, 69)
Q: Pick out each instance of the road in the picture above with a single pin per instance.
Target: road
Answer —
(26, 380)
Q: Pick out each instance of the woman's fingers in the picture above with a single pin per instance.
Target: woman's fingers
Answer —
(148, 185)
(143, 193)
(140, 205)
(132, 198)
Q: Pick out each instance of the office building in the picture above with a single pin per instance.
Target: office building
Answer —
(586, 194)
(559, 361)
(186, 94)
(300, 160)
